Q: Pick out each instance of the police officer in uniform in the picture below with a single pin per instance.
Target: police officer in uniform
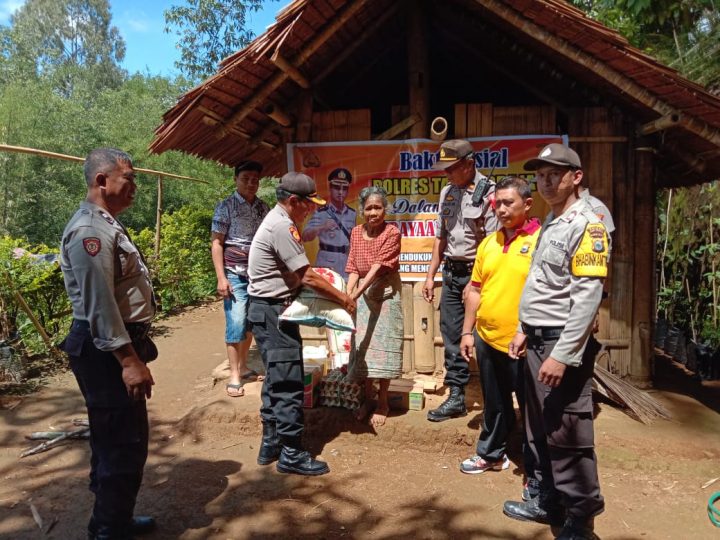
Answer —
(332, 224)
(278, 267)
(557, 310)
(112, 299)
(461, 226)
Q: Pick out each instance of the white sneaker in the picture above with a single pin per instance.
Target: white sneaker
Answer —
(477, 465)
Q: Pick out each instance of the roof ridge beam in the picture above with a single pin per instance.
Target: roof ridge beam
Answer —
(278, 78)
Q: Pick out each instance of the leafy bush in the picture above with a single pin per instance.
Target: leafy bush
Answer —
(184, 272)
(37, 279)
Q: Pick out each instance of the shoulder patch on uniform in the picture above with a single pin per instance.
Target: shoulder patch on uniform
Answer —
(295, 234)
(591, 257)
(92, 245)
(449, 198)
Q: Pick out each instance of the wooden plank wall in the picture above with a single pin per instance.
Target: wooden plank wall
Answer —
(605, 170)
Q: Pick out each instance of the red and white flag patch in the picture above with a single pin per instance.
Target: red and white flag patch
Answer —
(92, 245)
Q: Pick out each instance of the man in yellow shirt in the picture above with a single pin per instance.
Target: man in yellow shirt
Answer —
(491, 308)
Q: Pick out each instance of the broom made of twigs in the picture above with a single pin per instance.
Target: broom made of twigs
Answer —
(637, 403)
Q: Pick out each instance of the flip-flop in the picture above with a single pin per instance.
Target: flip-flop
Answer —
(251, 375)
(238, 390)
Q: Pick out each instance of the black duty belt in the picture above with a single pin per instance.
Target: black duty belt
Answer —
(271, 301)
(135, 330)
(458, 267)
(546, 333)
(333, 249)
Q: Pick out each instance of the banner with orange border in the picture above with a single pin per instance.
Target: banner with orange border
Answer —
(404, 170)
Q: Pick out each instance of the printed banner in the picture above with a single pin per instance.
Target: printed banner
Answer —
(404, 170)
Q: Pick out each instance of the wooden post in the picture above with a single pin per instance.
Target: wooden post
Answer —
(643, 266)
(158, 217)
(418, 66)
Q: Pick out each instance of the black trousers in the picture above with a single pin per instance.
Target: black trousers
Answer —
(559, 428)
(281, 351)
(500, 376)
(118, 432)
(452, 315)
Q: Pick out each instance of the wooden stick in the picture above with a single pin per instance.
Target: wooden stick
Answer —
(158, 216)
(65, 157)
(50, 444)
(290, 69)
(398, 128)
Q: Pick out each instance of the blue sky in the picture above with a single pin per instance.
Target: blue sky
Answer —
(141, 24)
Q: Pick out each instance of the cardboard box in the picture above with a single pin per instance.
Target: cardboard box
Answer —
(313, 375)
(405, 394)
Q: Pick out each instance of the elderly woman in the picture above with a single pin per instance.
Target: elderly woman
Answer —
(374, 281)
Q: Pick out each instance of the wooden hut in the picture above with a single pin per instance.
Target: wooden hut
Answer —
(337, 70)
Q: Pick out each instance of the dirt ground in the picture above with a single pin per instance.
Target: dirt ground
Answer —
(202, 481)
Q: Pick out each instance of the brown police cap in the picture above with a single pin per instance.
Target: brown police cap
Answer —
(555, 154)
(451, 152)
(302, 185)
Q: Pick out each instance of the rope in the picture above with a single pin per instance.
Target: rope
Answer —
(713, 512)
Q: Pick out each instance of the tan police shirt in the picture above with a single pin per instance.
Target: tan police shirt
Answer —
(463, 225)
(565, 283)
(105, 276)
(276, 253)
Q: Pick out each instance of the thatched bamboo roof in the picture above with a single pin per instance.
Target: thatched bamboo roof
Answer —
(350, 54)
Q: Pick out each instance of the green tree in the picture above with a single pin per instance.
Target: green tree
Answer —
(65, 40)
(208, 31)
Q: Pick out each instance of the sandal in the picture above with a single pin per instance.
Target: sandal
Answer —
(234, 390)
(251, 376)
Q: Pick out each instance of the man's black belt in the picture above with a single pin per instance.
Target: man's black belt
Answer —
(271, 301)
(546, 333)
(333, 249)
(135, 330)
(458, 267)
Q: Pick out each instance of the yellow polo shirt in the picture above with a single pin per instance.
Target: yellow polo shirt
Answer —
(501, 266)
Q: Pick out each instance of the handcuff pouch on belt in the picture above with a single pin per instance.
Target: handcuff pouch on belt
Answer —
(458, 268)
(144, 346)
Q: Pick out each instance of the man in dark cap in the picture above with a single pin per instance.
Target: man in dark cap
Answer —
(233, 226)
(561, 296)
(461, 225)
(332, 224)
(278, 267)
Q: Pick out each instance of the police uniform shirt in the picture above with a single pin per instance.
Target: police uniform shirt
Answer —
(105, 276)
(600, 210)
(237, 220)
(462, 224)
(565, 283)
(336, 240)
(276, 253)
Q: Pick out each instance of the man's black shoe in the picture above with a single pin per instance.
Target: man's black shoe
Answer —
(539, 510)
(452, 407)
(139, 525)
(270, 446)
(578, 529)
(297, 461)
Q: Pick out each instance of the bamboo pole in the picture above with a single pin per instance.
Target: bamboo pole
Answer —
(418, 66)
(158, 217)
(65, 157)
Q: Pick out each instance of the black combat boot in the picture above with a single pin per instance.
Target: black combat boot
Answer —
(270, 446)
(545, 508)
(293, 459)
(452, 407)
(578, 529)
(138, 526)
